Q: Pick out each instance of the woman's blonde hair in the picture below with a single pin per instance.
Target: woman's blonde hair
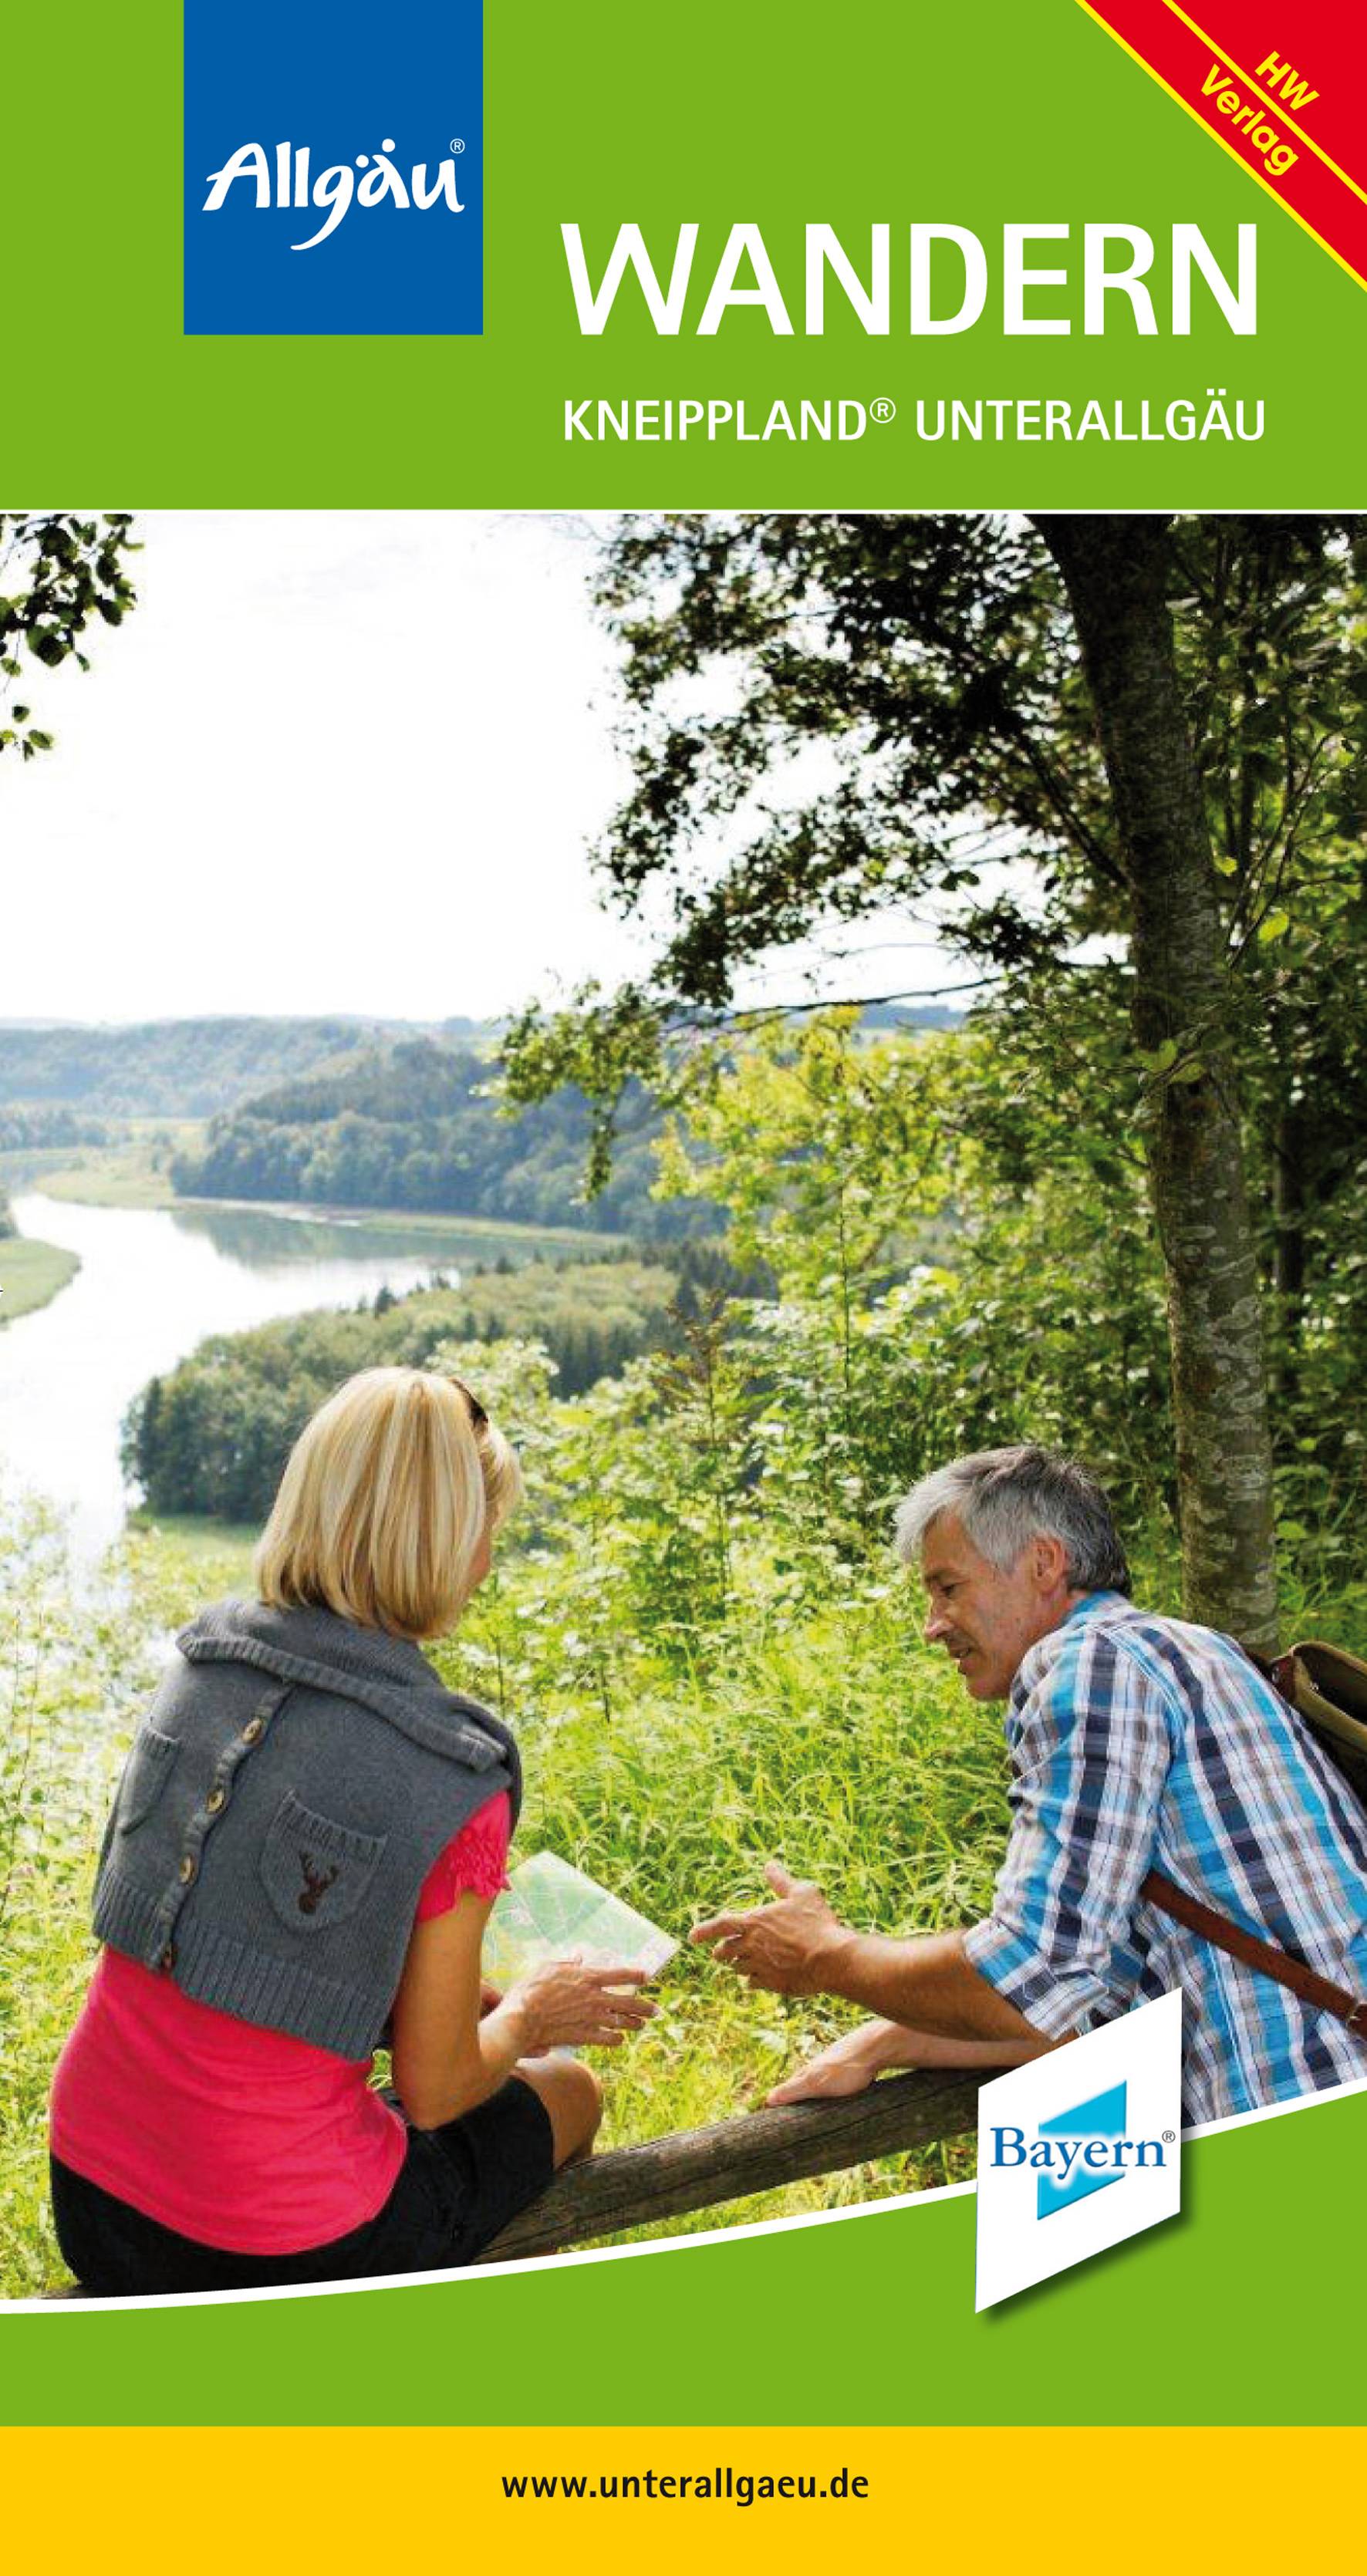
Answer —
(382, 1506)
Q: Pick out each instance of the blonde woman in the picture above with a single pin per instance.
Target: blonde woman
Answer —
(302, 1855)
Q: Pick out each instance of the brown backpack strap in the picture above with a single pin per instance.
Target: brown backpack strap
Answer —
(1288, 1970)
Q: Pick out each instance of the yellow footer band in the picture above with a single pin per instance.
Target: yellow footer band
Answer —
(702, 2502)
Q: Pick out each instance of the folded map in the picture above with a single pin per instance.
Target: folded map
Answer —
(550, 1909)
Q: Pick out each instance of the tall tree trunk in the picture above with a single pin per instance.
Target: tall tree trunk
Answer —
(1116, 574)
(1290, 1204)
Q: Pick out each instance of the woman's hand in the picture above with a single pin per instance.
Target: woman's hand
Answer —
(575, 2003)
(456, 2040)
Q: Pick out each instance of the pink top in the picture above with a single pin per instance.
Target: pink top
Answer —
(239, 2137)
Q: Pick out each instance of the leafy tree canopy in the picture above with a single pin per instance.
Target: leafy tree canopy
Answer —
(418, 1125)
(1114, 766)
(57, 572)
(935, 662)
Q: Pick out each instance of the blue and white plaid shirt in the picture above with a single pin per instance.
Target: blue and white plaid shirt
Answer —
(1142, 1743)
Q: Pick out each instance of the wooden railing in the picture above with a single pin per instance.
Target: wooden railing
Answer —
(699, 2168)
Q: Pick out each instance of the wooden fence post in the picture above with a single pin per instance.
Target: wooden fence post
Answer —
(665, 2178)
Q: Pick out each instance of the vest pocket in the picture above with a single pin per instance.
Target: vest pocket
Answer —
(478, 1750)
(149, 1769)
(314, 1870)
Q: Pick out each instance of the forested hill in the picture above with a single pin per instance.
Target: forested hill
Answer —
(413, 1125)
(214, 1434)
(171, 1068)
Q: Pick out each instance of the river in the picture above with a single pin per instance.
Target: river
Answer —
(152, 1283)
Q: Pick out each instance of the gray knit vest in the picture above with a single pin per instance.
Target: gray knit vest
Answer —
(292, 1784)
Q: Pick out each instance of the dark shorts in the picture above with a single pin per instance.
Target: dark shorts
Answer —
(457, 2187)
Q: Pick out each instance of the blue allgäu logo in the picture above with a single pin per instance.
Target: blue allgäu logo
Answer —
(1079, 2151)
(334, 166)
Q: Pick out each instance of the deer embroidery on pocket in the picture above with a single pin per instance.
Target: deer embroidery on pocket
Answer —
(337, 1860)
(316, 1884)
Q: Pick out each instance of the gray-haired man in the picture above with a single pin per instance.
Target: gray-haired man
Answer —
(1136, 1743)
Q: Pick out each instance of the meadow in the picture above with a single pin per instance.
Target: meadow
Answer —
(131, 1172)
(31, 1274)
(695, 1622)
(838, 1744)
(134, 1172)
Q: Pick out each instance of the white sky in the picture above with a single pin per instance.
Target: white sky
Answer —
(334, 761)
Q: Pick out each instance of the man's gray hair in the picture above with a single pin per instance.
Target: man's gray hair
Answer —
(1002, 1498)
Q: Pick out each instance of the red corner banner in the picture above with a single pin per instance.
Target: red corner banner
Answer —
(1284, 102)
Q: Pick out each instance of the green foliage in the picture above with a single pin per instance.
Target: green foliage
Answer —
(419, 1125)
(627, 1533)
(213, 1435)
(956, 1268)
(599, 1047)
(934, 659)
(695, 1622)
(832, 1741)
(75, 1672)
(25, 1130)
(58, 571)
(937, 665)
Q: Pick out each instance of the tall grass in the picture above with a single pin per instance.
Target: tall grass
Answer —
(834, 1743)
(820, 1733)
(77, 1663)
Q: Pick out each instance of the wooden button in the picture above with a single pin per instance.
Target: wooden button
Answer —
(168, 1956)
(253, 1731)
(217, 1798)
(187, 1870)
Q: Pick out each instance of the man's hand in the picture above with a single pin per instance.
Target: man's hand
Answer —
(925, 1984)
(849, 2065)
(854, 2061)
(787, 1947)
